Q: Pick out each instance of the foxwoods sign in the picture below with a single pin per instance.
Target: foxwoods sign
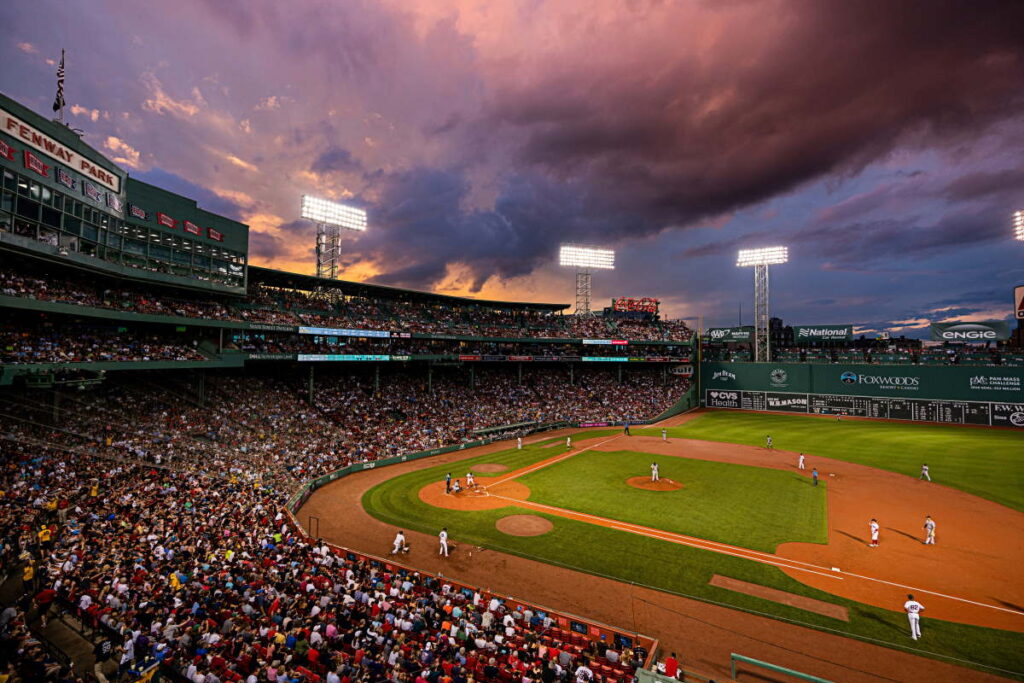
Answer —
(901, 382)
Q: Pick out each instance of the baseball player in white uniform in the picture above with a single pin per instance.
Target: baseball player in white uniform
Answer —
(443, 538)
(924, 473)
(568, 443)
(929, 530)
(874, 533)
(664, 434)
(800, 463)
(470, 481)
(654, 471)
(519, 443)
(400, 545)
(914, 609)
(768, 441)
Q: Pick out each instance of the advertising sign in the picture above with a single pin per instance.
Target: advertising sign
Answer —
(729, 335)
(645, 304)
(46, 145)
(988, 330)
(1018, 301)
(341, 332)
(817, 333)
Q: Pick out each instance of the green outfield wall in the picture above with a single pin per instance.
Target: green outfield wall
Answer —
(989, 395)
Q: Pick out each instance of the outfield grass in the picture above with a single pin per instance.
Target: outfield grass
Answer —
(752, 507)
(986, 462)
(685, 570)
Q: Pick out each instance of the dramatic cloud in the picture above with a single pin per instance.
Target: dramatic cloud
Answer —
(881, 141)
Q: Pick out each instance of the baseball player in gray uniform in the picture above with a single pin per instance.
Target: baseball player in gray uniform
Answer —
(929, 530)
(924, 473)
(654, 472)
(914, 609)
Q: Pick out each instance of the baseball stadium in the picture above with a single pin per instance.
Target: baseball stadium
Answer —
(222, 467)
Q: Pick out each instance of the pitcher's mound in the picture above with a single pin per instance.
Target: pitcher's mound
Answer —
(489, 468)
(646, 484)
(523, 525)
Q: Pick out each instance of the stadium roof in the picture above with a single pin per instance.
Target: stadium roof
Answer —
(284, 279)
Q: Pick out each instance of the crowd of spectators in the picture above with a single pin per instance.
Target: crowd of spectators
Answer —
(296, 308)
(158, 523)
(48, 345)
(264, 423)
(261, 342)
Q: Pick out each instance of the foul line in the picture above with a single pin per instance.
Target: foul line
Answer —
(680, 539)
(736, 551)
(545, 463)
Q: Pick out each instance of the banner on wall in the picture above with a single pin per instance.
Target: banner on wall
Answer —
(1018, 301)
(729, 335)
(987, 330)
(819, 333)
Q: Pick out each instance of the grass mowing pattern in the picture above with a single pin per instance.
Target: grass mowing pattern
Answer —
(685, 570)
(985, 462)
(752, 507)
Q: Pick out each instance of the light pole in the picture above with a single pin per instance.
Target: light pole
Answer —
(330, 218)
(585, 259)
(760, 259)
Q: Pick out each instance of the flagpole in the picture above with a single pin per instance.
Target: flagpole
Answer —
(58, 102)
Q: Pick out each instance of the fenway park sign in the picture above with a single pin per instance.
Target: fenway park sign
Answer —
(36, 139)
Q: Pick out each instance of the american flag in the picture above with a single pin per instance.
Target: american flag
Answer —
(58, 102)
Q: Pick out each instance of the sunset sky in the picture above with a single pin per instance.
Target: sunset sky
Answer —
(882, 141)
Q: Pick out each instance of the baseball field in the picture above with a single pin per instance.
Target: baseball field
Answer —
(733, 523)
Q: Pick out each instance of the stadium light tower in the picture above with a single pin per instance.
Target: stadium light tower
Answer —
(1018, 225)
(585, 259)
(330, 218)
(760, 259)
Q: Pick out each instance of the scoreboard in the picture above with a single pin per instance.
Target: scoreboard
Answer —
(922, 410)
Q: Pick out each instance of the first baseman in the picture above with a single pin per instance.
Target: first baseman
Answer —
(654, 471)
(929, 530)
(914, 609)
(874, 533)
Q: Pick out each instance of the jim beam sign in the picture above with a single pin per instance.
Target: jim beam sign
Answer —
(37, 140)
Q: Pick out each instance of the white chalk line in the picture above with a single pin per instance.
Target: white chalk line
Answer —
(743, 553)
(679, 539)
(546, 463)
